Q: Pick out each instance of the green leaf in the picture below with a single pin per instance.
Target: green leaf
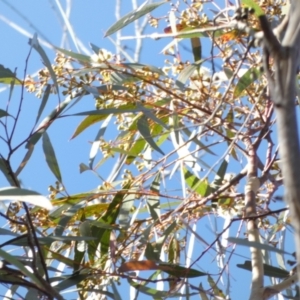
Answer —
(198, 142)
(44, 102)
(143, 127)
(4, 167)
(7, 76)
(151, 253)
(50, 157)
(3, 113)
(244, 242)
(108, 111)
(158, 246)
(67, 212)
(103, 235)
(135, 150)
(173, 251)
(153, 202)
(104, 246)
(200, 187)
(48, 240)
(73, 199)
(77, 56)
(244, 82)
(18, 194)
(4, 231)
(155, 294)
(118, 78)
(34, 43)
(47, 121)
(187, 34)
(78, 255)
(252, 4)
(117, 295)
(186, 73)
(216, 290)
(228, 72)
(95, 118)
(25, 159)
(132, 16)
(196, 48)
(71, 281)
(230, 120)
(114, 207)
(149, 114)
(126, 206)
(221, 172)
(95, 48)
(137, 66)
(13, 261)
(85, 229)
(202, 293)
(268, 270)
(180, 271)
(87, 122)
(100, 90)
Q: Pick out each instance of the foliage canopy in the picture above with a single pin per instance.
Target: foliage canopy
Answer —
(184, 142)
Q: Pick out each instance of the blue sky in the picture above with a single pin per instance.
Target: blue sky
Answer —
(89, 23)
(89, 19)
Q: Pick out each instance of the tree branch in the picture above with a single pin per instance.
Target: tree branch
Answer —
(286, 58)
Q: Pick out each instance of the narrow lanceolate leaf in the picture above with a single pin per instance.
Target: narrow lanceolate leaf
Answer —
(107, 111)
(152, 116)
(25, 159)
(155, 294)
(50, 157)
(44, 101)
(77, 56)
(7, 76)
(221, 172)
(100, 90)
(244, 82)
(188, 71)
(180, 271)
(6, 172)
(102, 235)
(87, 122)
(135, 150)
(202, 292)
(95, 48)
(132, 16)
(246, 243)
(174, 251)
(196, 48)
(126, 206)
(216, 290)
(153, 200)
(24, 195)
(95, 145)
(34, 43)
(101, 115)
(143, 127)
(268, 270)
(154, 250)
(116, 294)
(16, 263)
(3, 113)
(200, 187)
(70, 281)
(47, 121)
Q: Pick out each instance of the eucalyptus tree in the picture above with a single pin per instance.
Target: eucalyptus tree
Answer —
(196, 173)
